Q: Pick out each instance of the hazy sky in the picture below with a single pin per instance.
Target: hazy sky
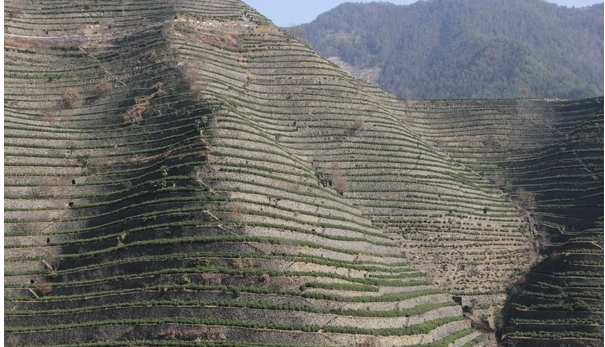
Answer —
(288, 12)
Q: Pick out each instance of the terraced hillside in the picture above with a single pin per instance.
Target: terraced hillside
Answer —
(548, 158)
(184, 172)
(144, 205)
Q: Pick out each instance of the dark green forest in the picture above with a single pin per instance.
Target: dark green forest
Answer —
(468, 48)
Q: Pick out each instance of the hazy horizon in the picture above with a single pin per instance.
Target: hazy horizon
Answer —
(293, 12)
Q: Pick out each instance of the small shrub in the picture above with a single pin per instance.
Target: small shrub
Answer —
(70, 97)
(236, 293)
(200, 263)
(184, 280)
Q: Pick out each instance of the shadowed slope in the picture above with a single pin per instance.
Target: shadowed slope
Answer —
(548, 157)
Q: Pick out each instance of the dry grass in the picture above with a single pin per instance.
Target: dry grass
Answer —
(238, 208)
(211, 279)
(202, 333)
(46, 185)
(368, 342)
(17, 43)
(282, 283)
(49, 117)
(135, 113)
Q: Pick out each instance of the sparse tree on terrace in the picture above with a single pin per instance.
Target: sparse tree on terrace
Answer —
(340, 185)
(44, 288)
(190, 75)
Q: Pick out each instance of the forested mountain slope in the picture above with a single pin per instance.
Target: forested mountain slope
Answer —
(186, 173)
(464, 49)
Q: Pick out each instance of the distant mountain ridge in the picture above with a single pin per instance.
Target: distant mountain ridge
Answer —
(469, 48)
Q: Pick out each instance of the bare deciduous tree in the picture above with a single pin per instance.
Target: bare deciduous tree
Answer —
(44, 288)
(526, 200)
(340, 185)
(190, 75)
(103, 87)
(357, 127)
(70, 97)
